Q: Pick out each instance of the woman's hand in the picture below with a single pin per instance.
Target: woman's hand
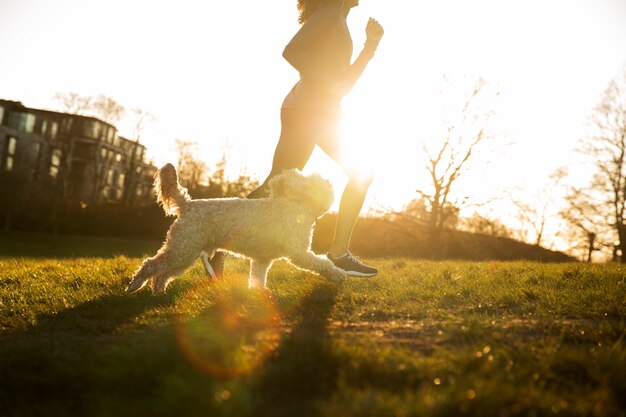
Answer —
(374, 31)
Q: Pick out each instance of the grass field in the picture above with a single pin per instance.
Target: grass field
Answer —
(421, 339)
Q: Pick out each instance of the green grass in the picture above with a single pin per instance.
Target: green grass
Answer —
(421, 339)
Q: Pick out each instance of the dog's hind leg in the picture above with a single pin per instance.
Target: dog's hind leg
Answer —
(159, 283)
(161, 268)
(178, 253)
(311, 262)
(258, 273)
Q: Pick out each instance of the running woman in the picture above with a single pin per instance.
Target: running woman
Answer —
(321, 51)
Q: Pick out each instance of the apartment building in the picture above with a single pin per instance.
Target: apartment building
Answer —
(81, 157)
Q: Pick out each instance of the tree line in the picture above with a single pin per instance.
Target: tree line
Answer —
(590, 216)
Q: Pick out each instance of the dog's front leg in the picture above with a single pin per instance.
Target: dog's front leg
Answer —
(258, 273)
(319, 264)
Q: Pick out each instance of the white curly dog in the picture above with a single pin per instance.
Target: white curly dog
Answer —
(261, 230)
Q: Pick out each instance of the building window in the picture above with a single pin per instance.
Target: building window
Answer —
(140, 153)
(103, 153)
(55, 162)
(9, 161)
(49, 129)
(1, 114)
(54, 128)
(110, 177)
(118, 157)
(110, 135)
(22, 121)
(37, 155)
(67, 124)
(12, 145)
(92, 129)
(120, 186)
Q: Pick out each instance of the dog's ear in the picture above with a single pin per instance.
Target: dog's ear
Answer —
(313, 191)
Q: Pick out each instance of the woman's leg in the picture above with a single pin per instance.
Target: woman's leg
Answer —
(294, 147)
(349, 207)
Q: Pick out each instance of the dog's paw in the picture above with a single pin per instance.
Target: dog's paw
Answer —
(135, 286)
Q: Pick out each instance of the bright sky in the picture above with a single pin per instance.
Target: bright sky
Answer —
(212, 71)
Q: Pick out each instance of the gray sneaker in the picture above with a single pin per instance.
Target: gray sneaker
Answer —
(352, 266)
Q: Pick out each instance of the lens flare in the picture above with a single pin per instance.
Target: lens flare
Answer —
(227, 330)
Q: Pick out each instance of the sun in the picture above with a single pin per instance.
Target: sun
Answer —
(359, 148)
(371, 147)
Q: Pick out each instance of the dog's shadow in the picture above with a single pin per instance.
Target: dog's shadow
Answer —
(303, 370)
(101, 315)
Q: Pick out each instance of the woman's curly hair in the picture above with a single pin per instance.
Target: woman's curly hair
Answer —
(307, 7)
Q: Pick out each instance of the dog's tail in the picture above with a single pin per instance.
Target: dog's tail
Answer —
(169, 192)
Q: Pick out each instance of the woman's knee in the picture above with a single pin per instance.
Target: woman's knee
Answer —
(262, 191)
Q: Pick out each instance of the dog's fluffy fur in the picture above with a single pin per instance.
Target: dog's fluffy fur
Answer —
(261, 230)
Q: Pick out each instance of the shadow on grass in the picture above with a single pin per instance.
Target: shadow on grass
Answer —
(102, 315)
(40, 245)
(303, 370)
(100, 358)
(60, 365)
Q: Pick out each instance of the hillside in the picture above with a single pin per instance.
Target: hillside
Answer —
(376, 237)
(373, 237)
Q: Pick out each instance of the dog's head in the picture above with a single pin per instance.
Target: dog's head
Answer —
(312, 191)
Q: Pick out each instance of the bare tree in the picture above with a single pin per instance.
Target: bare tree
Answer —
(102, 107)
(141, 118)
(536, 214)
(191, 169)
(447, 160)
(585, 214)
(242, 186)
(479, 223)
(598, 209)
(133, 164)
(74, 103)
(107, 109)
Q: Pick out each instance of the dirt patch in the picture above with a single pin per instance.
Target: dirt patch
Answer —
(426, 335)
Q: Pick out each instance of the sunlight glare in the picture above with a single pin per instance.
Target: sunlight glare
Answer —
(360, 147)
(226, 330)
